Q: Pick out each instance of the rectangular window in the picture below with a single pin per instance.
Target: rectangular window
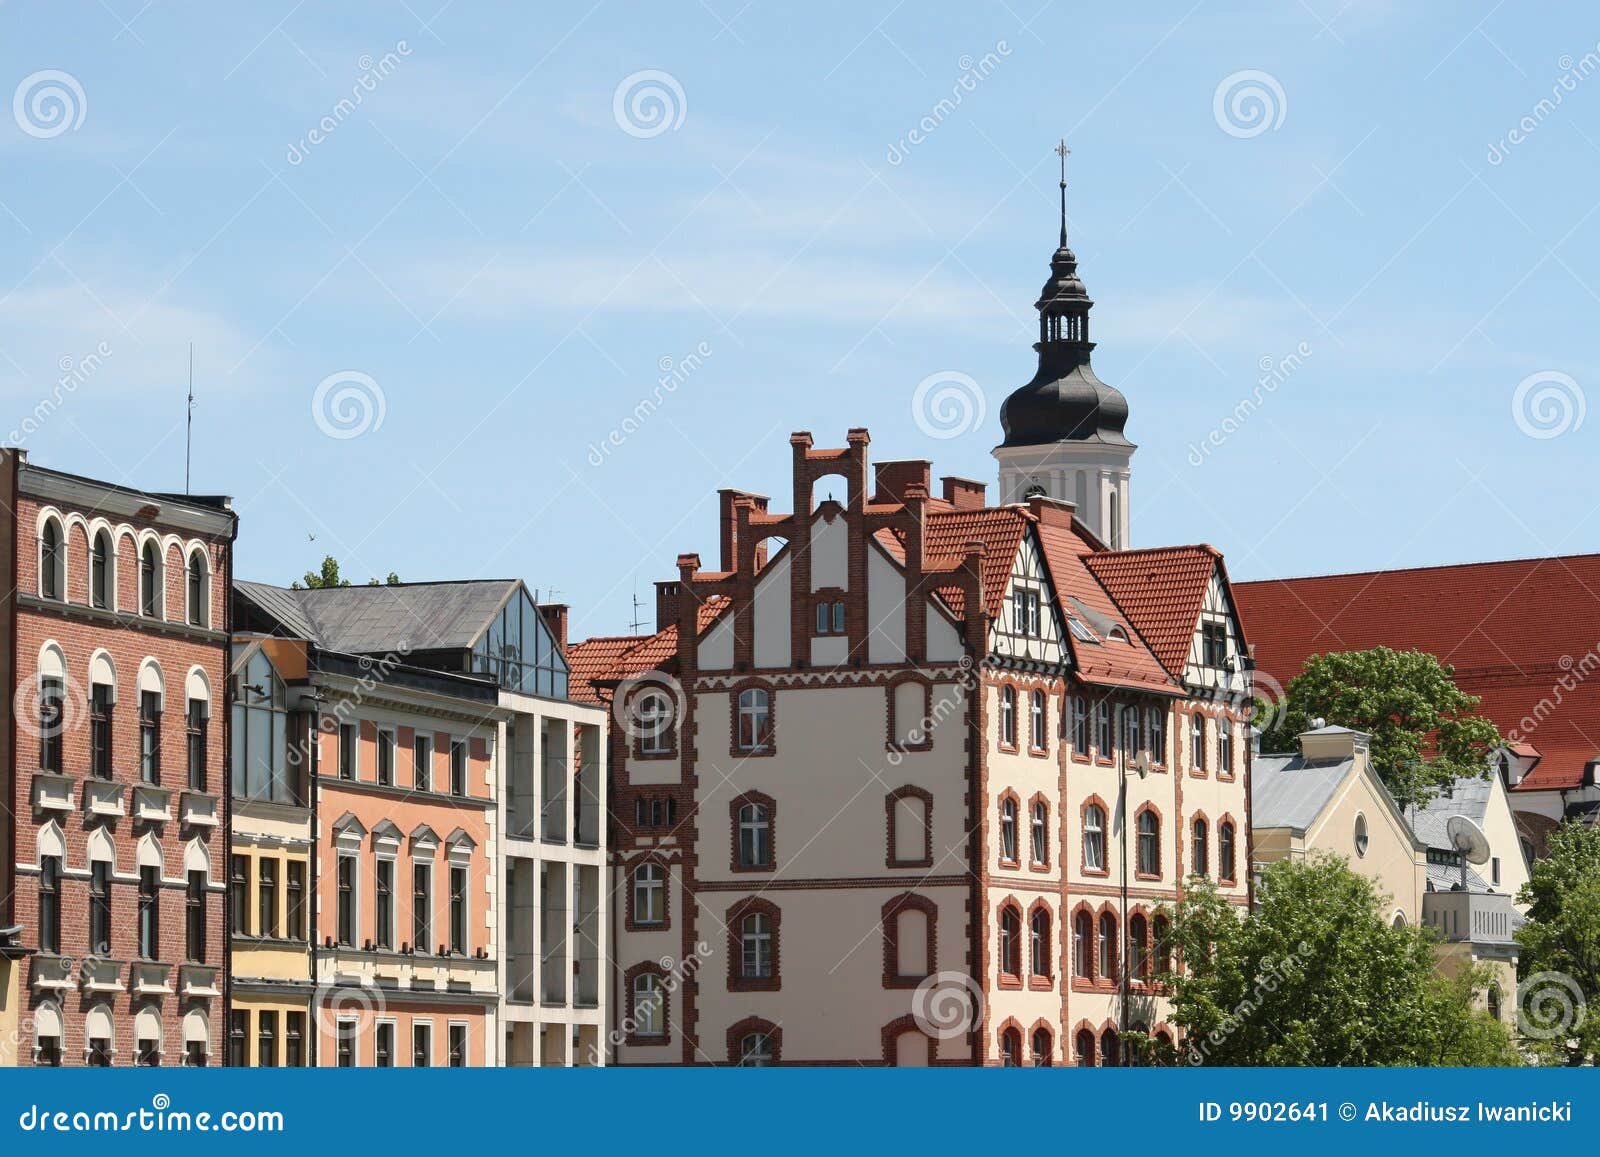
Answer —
(150, 736)
(147, 1053)
(194, 1054)
(295, 927)
(267, 898)
(383, 903)
(1158, 734)
(238, 1038)
(1224, 748)
(347, 750)
(1105, 737)
(386, 758)
(421, 1045)
(458, 1046)
(100, 908)
(1214, 644)
(383, 1044)
(50, 904)
(195, 918)
(266, 1039)
(294, 1039)
(458, 909)
(100, 731)
(50, 1052)
(99, 1052)
(421, 906)
(195, 738)
(239, 894)
(422, 752)
(458, 767)
(149, 912)
(52, 691)
(347, 1044)
(347, 901)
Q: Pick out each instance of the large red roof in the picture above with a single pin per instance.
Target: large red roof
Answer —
(1514, 631)
(1163, 591)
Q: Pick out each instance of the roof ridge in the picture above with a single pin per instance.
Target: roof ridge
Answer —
(1594, 555)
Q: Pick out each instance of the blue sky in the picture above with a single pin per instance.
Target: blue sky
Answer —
(509, 266)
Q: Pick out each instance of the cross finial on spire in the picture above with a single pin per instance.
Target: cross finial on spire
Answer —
(1063, 152)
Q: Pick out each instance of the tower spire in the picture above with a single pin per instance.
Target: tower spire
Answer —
(1063, 152)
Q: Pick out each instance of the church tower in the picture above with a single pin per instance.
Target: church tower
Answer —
(1064, 428)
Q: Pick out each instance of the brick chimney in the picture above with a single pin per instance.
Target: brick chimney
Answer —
(667, 595)
(964, 493)
(894, 479)
(555, 617)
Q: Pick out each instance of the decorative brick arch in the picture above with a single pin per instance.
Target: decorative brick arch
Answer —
(769, 745)
(1009, 1027)
(892, 1032)
(752, 906)
(735, 805)
(631, 1023)
(1111, 1034)
(633, 865)
(1046, 982)
(1105, 837)
(891, 938)
(892, 819)
(752, 1024)
(1084, 1032)
(1037, 865)
(999, 827)
(921, 739)
(1042, 1026)
(1139, 873)
(1009, 906)
(1233, 876)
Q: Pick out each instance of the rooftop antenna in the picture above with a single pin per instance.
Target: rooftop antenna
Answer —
(188, 434)
(1063, 152)
(638, 623)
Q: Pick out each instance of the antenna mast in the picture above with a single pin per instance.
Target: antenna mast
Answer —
(188, 434)
(637, 621)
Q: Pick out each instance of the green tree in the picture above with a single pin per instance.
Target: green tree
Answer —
(1315, 975)
(1424, 732)
(1560, 961)
(329, 576)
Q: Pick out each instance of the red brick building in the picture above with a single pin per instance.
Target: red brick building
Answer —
(116, 647)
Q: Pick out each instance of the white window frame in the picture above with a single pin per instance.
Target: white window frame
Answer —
(1039, 831)
(378, 1026)
(426, 1025)
(392, 860)
(657, 1024)
(751, 715)
(758, 831)
(355, 897)
(656, 888)
(1094, 823)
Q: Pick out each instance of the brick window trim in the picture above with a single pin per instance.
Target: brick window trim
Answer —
(1006, 1027)
(892, 819)
(1040, 1025)
(1016, 711)
(1227, 774)
(1232, 877)
(770, 747)
(751, 906)
(892, 1032)
(636, 743)
(740, 1029)
(1037, 752)
(907, 901)
(1090, 982)
(633, 866)
(999, 828)
(1105, 837)
(1155, 811)
(891, 740)
(1078, 1030)
(1043, 865)
(827, 596)
(1188, 835)
(1004, 979)
(1141, 979)
(1046, 982)
(1202, 771)
(647, 968)
(734, 807)
(1069, 726)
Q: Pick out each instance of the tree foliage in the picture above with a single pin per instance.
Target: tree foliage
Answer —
(329, 576)
(1424, 732)
(1560, 962)
(1315, 975)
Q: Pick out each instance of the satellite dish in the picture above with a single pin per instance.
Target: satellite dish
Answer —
(1467, 838)
(1142, 764)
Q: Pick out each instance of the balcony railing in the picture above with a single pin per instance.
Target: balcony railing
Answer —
(1473, 917)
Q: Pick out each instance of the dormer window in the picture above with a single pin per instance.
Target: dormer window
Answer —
(1025, 617)
(1214, 644)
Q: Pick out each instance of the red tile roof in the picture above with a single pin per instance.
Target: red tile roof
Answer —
(1512, 630)
(611, 657)
(1163, 591)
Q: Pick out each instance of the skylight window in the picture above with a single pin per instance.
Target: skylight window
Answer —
(1080, 632)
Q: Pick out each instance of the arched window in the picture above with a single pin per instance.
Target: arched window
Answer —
(199, 604)
(1197, 742)
(649, 1006)
(1138, 947)
(261, 769)
(653, 713)
(102, 700)
(1008, 830)
(1225, 851)
(755, 836)
(1039, 942)
(1110, 1049)
(755, 720)
(649, 894)
(47, 1035)
(755, 944)
(1083, 946)
(1083, 1050)
(1040, 829)
(150, 581)
(100, 578)
(1107, 945)
(1161, 953)
(1164, 1047)
(1011, 1048)
(1043, 1048)
(1008, 716)
(756, 1048)
(1200, 848)
(1010, 942)
(52, 562)
(1224, 748)
(1094, 838)
(1149, 844)
(1036, 729)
